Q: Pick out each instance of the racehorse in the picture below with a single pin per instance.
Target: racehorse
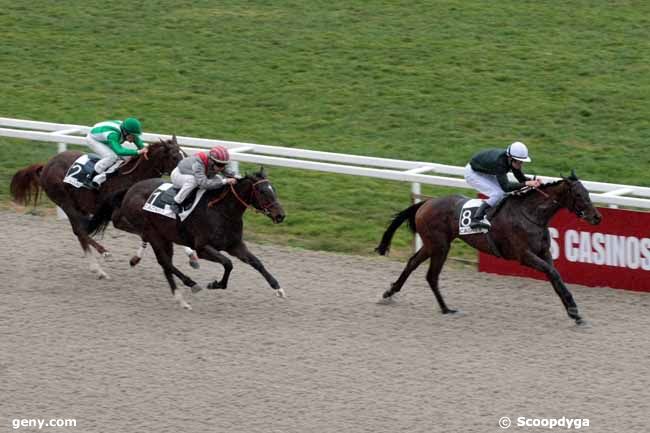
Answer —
(79, 203)
(215, 225)
(519, 232)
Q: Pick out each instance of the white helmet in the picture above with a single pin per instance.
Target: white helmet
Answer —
(518, 151)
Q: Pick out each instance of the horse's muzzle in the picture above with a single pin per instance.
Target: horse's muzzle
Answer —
(594, 218)
(276, 213)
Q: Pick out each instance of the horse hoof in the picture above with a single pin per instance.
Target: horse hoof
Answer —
(280, 293)
(107, 255)
(103, 276)
(216, 285)
(196, 288)
(582, 324)
(134, 261)
(187, 306)
(454, 313)
(386, 300)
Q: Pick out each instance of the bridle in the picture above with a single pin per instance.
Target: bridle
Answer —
(264, 207)
(570, 206)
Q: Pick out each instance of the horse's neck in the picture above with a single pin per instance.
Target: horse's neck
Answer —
(230, 204)
(541, 206)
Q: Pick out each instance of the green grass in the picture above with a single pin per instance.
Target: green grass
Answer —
(433, 81)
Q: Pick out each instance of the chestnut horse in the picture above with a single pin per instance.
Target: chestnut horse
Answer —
(215, 225)
(80, 203)
(519, 232)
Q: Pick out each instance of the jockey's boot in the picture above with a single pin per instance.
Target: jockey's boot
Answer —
(479, 220)
(176, 208)
(98, 180)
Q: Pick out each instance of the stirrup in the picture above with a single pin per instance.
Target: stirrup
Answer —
(176, 208)
(480, 224)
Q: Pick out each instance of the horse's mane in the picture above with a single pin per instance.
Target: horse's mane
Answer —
(153, 147)
(528, 191)
(254, 177)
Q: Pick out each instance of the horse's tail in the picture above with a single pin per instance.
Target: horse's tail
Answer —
(26, 185)
(407, 214)
(102, 216)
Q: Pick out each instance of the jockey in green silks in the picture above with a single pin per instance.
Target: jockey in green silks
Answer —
(106, 138)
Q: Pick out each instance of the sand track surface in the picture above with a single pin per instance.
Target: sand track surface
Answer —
(119, 355)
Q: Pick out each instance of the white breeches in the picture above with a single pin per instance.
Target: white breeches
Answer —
(109, 161)
(186, 182)
(486, 184)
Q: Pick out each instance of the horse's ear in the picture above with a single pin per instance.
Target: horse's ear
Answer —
(262, 172)
(573, 175)
(174, 139)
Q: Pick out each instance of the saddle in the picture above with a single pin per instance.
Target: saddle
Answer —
(80, 173)
(161, 200)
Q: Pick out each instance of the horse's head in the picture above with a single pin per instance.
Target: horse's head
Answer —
(264, 197)
(577, 200)
(165, 155)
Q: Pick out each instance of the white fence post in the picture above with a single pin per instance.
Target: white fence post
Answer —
(59, 212)
(416, 190)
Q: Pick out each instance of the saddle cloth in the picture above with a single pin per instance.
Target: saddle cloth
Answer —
(466, 214)
(81, 171)
(162, 198)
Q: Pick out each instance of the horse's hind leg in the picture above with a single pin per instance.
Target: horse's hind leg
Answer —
(138, 255)
(77, 223)
(433, 274)
(192, 257)
(415, 261)
(164, 251)
(210, 253)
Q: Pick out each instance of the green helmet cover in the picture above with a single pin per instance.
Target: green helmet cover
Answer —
(132, 126)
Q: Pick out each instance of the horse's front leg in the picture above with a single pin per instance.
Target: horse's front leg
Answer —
(242, 253)
(210, 253)
(545, 264)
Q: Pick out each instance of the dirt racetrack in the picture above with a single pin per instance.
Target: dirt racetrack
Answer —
(119, 355)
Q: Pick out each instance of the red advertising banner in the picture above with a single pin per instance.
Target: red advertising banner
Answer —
(615, 253)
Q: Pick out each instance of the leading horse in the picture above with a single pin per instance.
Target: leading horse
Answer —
(80, 203)
(519, 232)
(215, 225)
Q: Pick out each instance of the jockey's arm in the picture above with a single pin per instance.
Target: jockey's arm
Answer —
(202, 180)
(520, 175)
(115, 145)
(525, 180)
(138, 142)
(506, 185)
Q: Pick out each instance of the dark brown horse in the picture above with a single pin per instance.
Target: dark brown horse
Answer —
(80, 203)
(519, 232)
(215, 225)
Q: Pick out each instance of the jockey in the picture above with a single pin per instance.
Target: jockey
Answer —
(205, 170)
(488, 173)
(106, 138)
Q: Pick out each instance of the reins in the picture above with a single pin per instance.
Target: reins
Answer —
(241, 200)
(137, 164)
